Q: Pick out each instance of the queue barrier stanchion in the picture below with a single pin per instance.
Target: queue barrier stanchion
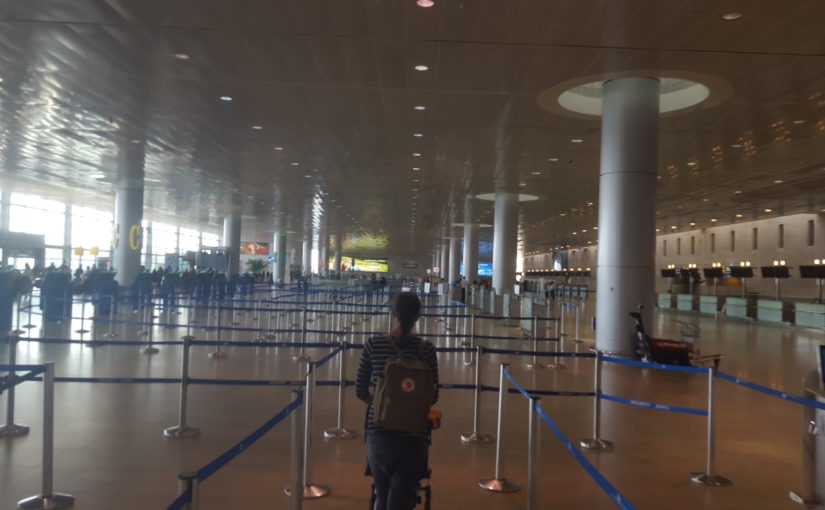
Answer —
(577, 339)
(340, 432)
(218, 353)
(297, 447)
(182, 430)
(558, 348)
(596, 443)
(311, 490)
(111, 334)
(468, 361)
(302, 356)
(19, 331)
(535, 363)
(532, 489)
(189, 484)
(708, 477)
(150, 349)
(499, 483)
(82, 331)
(11, 429)
(476, 437)
(30, 324)
(47, 499)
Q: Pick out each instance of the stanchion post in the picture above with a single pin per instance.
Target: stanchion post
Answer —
(29, 324)
(535, 363)
(498, 483)
(218, 353)
(708, 477)
(469, 361)
(341, 432)
(81, 331)
(532, 432)
(47, 499)
(182, 430)
(475, 437)
(294, 490)
(577, 338)
(311, 490)
(302, 356)
(189, 484)
(150, 349)
(596, 442)
(11, 429)
(111, 333)
(18, 330)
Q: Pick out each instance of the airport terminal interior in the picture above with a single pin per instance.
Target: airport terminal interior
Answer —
(613, 214)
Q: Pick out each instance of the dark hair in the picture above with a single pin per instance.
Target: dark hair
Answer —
(406, 308)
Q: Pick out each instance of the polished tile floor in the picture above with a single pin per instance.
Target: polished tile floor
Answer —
(110, 451)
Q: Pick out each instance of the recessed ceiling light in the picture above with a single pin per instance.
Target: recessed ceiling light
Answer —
(778, 181)
(673, 227)
(713, 220)
(425, 3)
(416, 169)
(135, 140)
(99, 176)
(577, 140)
(417, 154)
(278, 148)
(420, 107)
(418, 135)
(553, 159)
(421, 67)
(257, 128)
(768, 210)
(308, 176)
(692, 223)
(691, 163)
(738, 215)
(181, 56)
(738, 192)
(226, 98)
(705, 200)
(536, 173)
(799, 121)
(736, 145)
(731, 16)
(294, 163)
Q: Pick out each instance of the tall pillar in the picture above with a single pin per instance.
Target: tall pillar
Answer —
(232, 241)
(147, 245)
(306, 258)
(67, 235)
(280, 257)
(339, 246)
(444, 263)
(505, 239)
(323, 246)
(627, 209)
(128, 215)
(455, 254)
(5, 217)
(470, 239)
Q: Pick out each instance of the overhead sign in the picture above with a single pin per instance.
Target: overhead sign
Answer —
(410, 265)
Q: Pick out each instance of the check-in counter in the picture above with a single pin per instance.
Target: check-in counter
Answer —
(769, 310)
(736, 307)
(810, 315)
(684, 302)
(709, 304)
(664, 300)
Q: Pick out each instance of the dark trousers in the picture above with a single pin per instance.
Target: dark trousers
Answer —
(397, 461)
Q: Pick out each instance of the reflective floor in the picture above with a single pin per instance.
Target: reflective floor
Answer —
(110, 451)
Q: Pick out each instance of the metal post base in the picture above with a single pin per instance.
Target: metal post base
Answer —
(217, 355)
(143, 333)
(53, 502)
(499, 485)
(270, 336)
(555, 365)
(597, 444)
(796, 498)
(302, 357)
(343, 433)
(469, 363)
(316, 491)
(19, 331)
(476, 438)
(150, 350)
(13, 430)
(710, 480)
(181, 432)
(535, 365)
(109, 335)
(29, 326)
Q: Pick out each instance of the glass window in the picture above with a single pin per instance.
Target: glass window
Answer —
(210, 240)
(91, 228)
(34, 215)
(189, 240)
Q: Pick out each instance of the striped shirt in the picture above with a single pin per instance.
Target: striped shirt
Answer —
(376, 352)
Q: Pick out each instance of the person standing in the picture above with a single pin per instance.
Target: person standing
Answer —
(397, 460)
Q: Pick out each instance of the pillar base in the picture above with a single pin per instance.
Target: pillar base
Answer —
(181, 432)
(301, 357)
(217, 355)
(340, 434)
(499, 485)
(710, 480)
(53, 502)
(150, 350)
(316, 491)
(535, 365)
(13, 430)
(476, 438)
(596, 444)
(796, 498)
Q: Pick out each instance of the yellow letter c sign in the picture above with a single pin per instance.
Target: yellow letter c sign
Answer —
(135, 237)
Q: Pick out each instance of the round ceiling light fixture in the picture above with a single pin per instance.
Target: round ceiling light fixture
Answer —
(732, 16)
(678, 91)
(226, 98)
(420, 107)
(181, 56)
(421, 67)
(425, 3)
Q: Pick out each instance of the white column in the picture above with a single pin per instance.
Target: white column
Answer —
(306, 258)
(128, 215)
(627, 209)
(470, 240)
(505, 239)
(339, 246)
(232, 241)
(445, 259)
(455, 253)
(323, 245)
(280, 257)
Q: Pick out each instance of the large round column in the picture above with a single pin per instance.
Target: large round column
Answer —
(627, 209)
(470, 240)
(323, 246)
(505, 239)
(128, 216)
(444, 263)
(231, 240)
(455, 255)
(339, 246)
(280, 257)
